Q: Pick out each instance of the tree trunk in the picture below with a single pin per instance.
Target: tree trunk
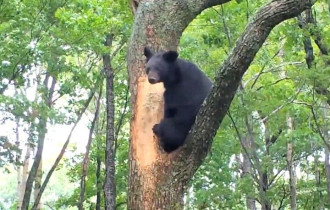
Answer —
(246, 171)
(42, 129)
(110, 170)
(37, 185)
(19, 193)
(25, 173)
(289, 153)
(59, 157)
(158, 180)
(291, 169)
(326, 161)
(327, 173)
(248, 147)
(98, 182)
(86, 157)
(304, 19)
(292, 176)
(34, 169)
(320, 203)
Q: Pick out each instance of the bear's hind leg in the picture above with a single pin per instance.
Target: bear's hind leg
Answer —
(170, 135)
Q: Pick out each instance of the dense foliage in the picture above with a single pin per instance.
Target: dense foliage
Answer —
(51, 75)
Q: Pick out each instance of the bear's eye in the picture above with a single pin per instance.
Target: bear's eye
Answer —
(148, 69)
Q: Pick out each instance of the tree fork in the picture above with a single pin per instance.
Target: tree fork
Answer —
(158, 180)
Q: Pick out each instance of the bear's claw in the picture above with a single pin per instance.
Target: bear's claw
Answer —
(155, 129)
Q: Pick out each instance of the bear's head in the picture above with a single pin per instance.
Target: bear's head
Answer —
(162, 67)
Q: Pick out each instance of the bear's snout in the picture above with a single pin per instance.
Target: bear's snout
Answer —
(153, 77)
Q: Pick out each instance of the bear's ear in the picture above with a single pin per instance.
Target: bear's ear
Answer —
(148, 53)
(170, 56)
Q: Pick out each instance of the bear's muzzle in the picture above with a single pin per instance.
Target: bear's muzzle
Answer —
(153, 77)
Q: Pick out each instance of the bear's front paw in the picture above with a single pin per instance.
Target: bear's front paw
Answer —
(155, 129)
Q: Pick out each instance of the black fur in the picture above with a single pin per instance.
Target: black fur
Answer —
(186, 87)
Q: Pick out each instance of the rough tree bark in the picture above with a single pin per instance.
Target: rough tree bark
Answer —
(158, 180)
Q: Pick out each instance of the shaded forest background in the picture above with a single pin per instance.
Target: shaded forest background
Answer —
(53, 89)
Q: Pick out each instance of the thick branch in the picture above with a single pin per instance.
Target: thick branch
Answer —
(197, 6)
(230, 74)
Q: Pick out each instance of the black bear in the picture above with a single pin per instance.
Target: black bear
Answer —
(186, 87)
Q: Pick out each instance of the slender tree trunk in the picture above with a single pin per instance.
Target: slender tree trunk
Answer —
(34, 169)
(19, 188)
(98, 182)
(37, 185)
(158, 180)
(99, 152)
(110, 170)
(246, 171)
(290, 166)
(86, 157)
(304, 19)
(327, 173)
(289, 153)
(247, 143)
(262, 178)
(42, 129)
(61, 154)
(262, 171)
(25, 173)
(292, 175)
(320, 203)
(326, 160)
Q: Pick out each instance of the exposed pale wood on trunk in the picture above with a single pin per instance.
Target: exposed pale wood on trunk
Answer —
(151, 184)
